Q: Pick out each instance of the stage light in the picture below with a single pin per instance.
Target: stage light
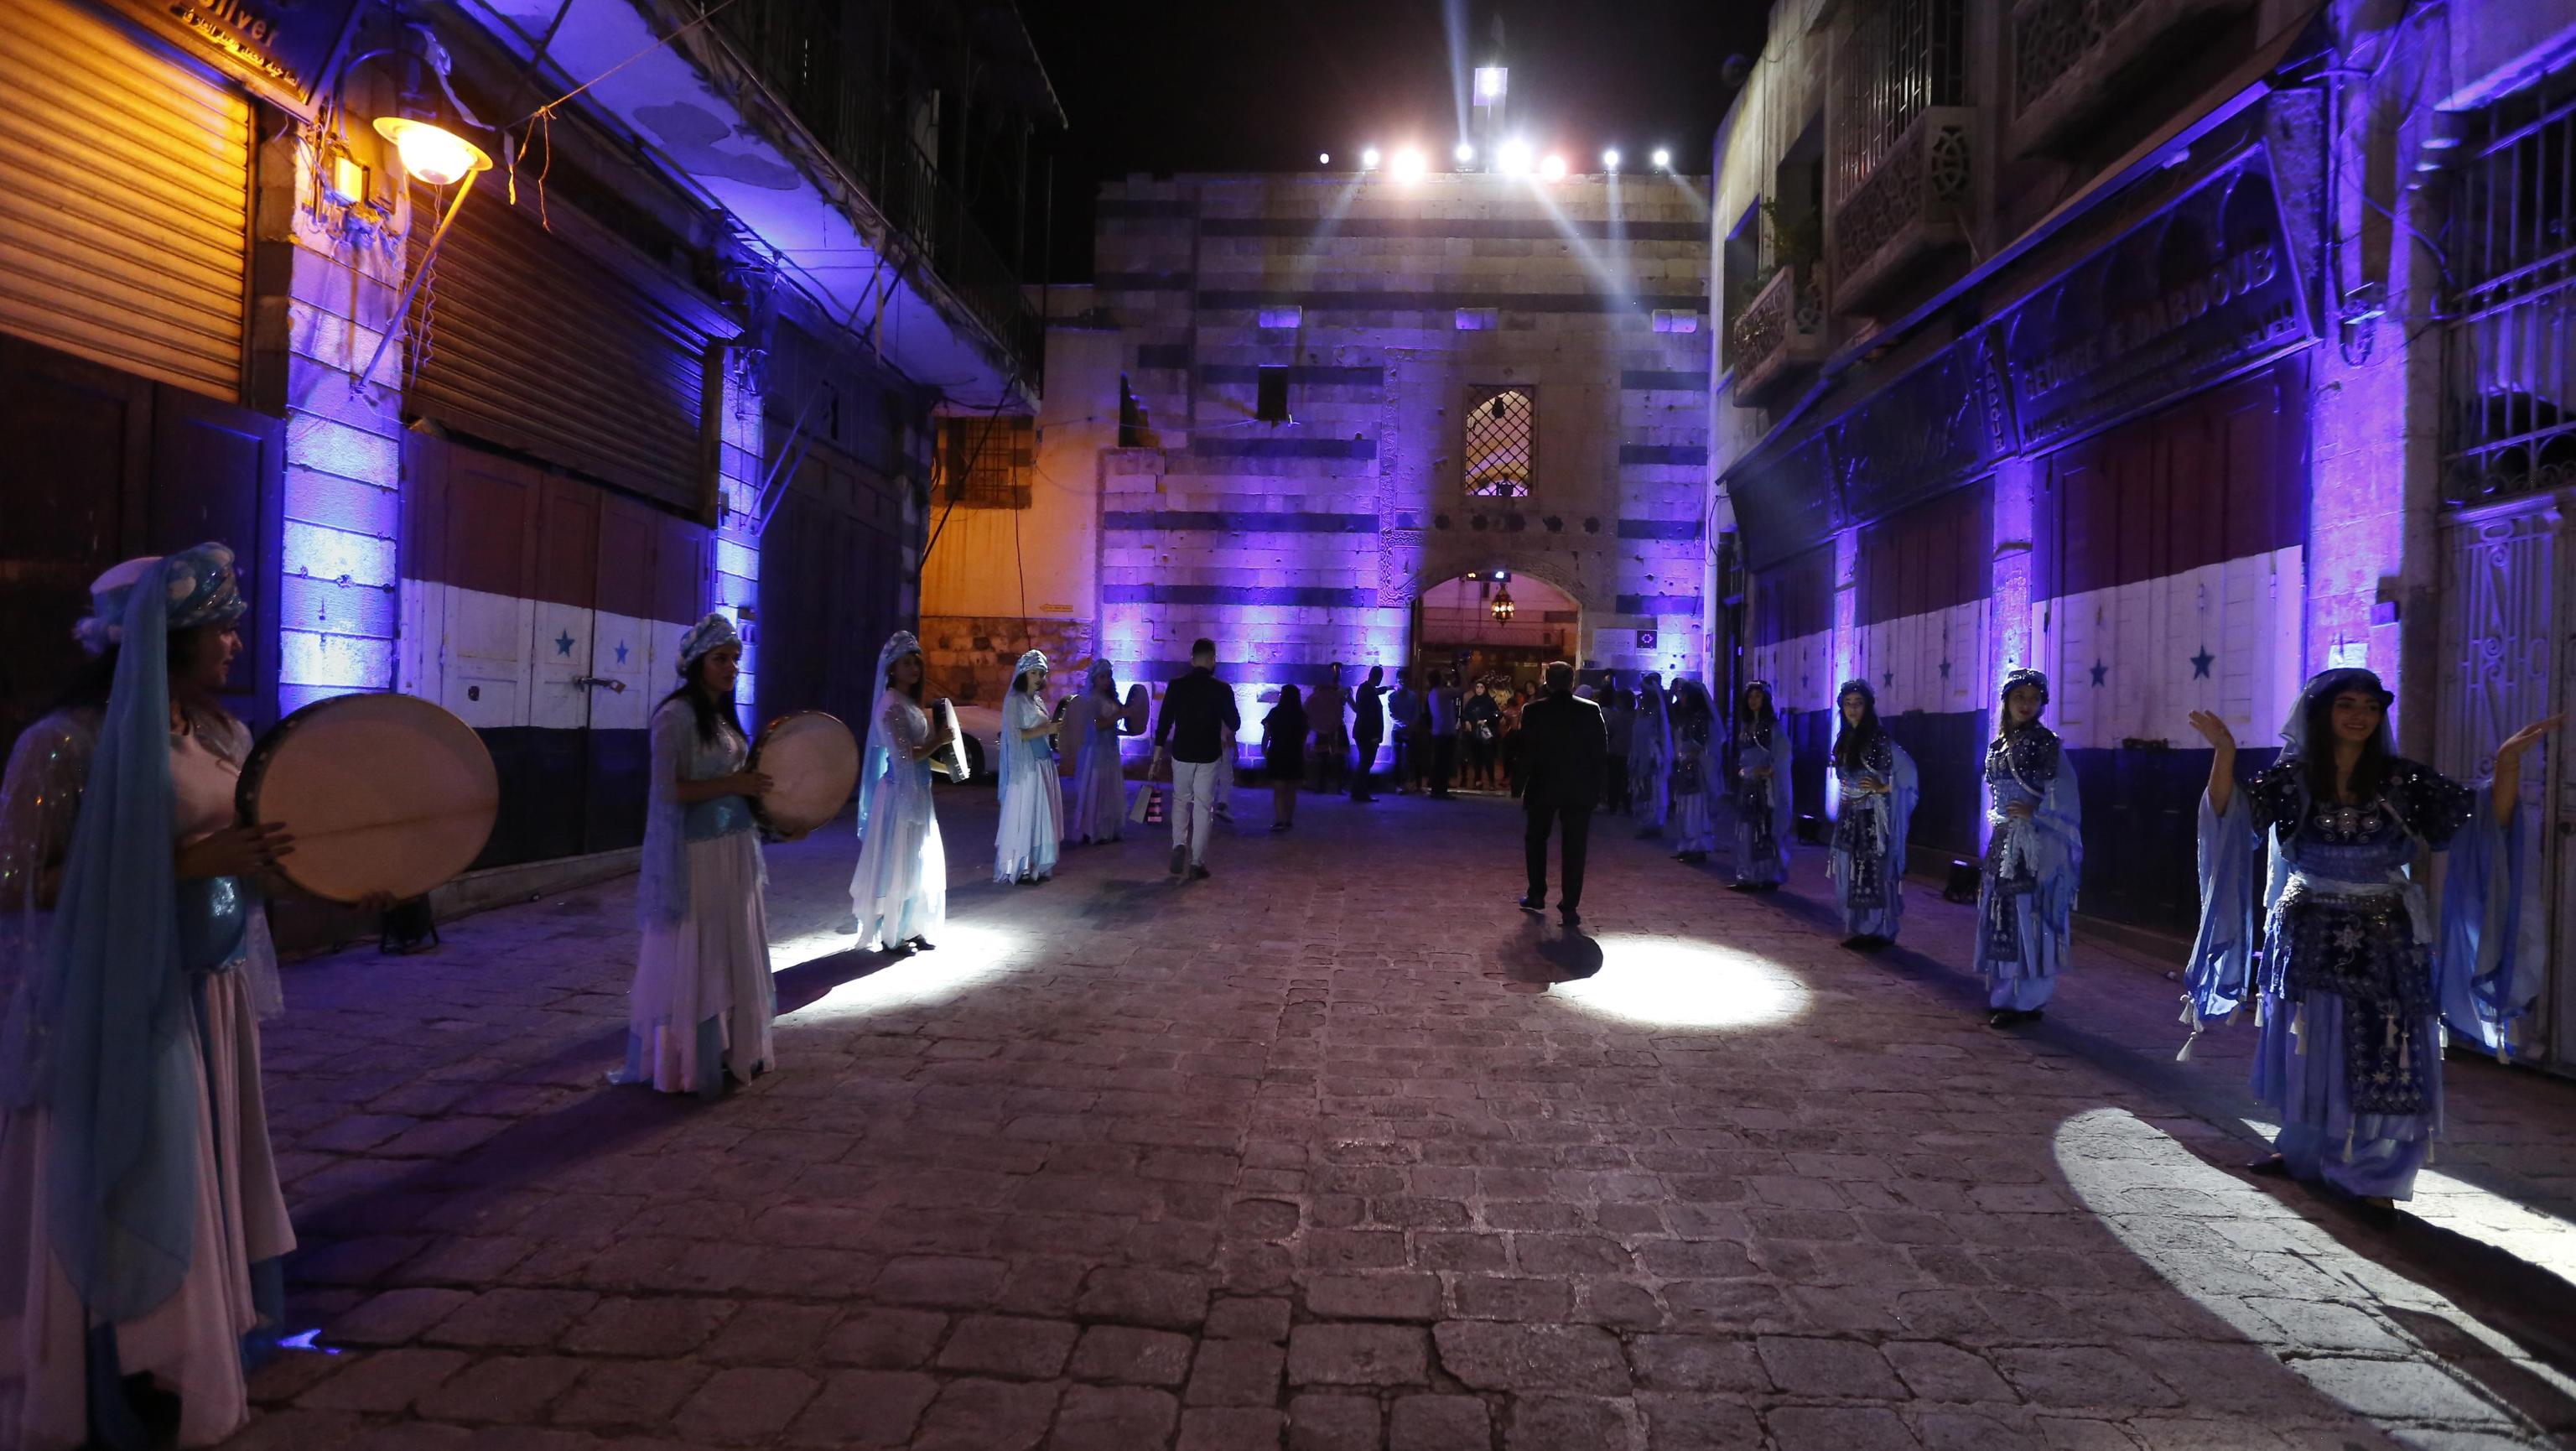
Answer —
(1514, 157)
(1610, 159)
(1663, 159)
(1465, 153)
(1552, 169)
(1409, 165)
(1368, 159)
(1324, 158)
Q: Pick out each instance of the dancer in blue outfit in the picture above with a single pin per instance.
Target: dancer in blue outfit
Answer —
(2358, 972)
(2034, 859)
(1694, 727)
(1879, 789)
(1762, 792)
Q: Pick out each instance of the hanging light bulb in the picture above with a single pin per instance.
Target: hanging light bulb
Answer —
(430, 152)
(427, 126)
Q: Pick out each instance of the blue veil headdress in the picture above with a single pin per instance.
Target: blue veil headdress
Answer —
(877, 758)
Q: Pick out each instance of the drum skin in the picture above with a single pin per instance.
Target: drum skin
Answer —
(1140, 710)
(812, 762)
(950, 760)
(382, 793)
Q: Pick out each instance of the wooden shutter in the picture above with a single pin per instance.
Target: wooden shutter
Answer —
(585, 360)
(124, 201)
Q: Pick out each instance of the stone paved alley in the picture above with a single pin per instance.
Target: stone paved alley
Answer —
(1338, 1150)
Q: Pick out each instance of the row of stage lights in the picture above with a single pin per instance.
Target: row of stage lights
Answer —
(1516, 158)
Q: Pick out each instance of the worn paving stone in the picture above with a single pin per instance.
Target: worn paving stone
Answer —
(1205, 1167)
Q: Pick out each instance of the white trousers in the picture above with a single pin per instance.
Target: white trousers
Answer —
(1194, 805)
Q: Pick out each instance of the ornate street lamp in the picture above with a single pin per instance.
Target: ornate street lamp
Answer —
(1503, 607)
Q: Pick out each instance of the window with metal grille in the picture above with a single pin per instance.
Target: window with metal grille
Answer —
(1502, 442)
(2510, 358)
(987, 462)
(1904, 56)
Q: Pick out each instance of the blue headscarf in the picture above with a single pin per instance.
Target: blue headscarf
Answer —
(706, 637)
(108, 1010)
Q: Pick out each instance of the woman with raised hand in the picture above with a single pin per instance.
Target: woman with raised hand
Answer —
(700, 1011)
(1764, 803)
(2034, 858)
(2358, 970)
(140, 1216)
(899, 893)
(1031, 788)
(1879, 790)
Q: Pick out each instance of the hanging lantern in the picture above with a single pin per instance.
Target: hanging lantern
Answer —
(1503, 607)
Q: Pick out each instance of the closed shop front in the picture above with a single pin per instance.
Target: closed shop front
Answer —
(1793, 650)
(1921, 611)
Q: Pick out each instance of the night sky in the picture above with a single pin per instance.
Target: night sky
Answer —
(1263, 85)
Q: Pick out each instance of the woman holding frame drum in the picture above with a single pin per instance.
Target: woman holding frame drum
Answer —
(899, 894)
(140, 1217)
(702, 1003)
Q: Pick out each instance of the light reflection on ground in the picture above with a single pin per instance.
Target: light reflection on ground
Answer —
(2345, 1324)
(2528, 1234)
(1678, 982)
(969, 955)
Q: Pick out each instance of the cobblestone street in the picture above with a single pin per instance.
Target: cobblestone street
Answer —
(1339, 1151)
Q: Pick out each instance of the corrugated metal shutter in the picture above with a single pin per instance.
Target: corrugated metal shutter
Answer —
(124, 201)
(525, 340)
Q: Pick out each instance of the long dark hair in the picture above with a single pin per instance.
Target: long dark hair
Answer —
(89, 688)
(715, 712)
(2369, 774)
(1290, 712)
(1770, 715)
(1852, 742)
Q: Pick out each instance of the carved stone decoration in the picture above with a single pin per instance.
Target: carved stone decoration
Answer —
(1777, 337)
(2074, 60)
(1917, 201)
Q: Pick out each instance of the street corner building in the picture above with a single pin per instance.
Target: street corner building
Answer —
(1340, 417)
(2179, 350)
(504, 342)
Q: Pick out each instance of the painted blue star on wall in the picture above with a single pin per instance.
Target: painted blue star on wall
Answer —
(1945, 670)
(1888, 681)
(563, 644)
(2100, 671)
(621, 652)
(2200, 664)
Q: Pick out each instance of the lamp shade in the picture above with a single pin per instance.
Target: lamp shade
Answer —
(430, 152)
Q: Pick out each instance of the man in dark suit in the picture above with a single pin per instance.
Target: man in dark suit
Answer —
(1566, 747)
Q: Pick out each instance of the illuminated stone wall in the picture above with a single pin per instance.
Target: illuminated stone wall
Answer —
(1298, 544)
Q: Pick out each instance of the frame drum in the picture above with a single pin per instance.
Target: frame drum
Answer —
(812, 762)
(383, 793)
(1140, 710)
(951, 759)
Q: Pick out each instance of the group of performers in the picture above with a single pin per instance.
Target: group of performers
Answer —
(141, 1220)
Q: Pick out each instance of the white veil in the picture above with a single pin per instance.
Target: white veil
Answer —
(877, 758)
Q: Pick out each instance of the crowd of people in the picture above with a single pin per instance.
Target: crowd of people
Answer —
(141, 1221)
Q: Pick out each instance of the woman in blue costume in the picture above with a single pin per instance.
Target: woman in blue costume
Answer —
(1879, 789)
(702, 1004)
(1650, 757)
(140, 1217)
(1099, 772)
(1031, 786)
(2358, 973)
(1694, 726)
(2034, 857)
(1763, 799)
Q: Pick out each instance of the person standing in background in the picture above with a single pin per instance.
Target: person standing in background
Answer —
(1619, 717)
(1404, 720)
(1283, 756)
(1441, 705)
(1368, 732)
(1099, 773)
(1197, 724)
(1325, 712)
(1566, 750)
(1479, 730)
(1650, 757)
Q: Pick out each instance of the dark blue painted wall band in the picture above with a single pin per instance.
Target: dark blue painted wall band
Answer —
(1682, 529)
(1657, 605)
(1663, 453)
(1310, 596)
(1244, 521)
(1359, 448)
(1251, 373)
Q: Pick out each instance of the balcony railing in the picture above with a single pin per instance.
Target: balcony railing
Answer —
(1918, 200)
(1779, 335)
(2074, 59)
(801, 50)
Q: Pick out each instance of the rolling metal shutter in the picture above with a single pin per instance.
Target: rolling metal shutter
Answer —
(124, 201)
(525, 340)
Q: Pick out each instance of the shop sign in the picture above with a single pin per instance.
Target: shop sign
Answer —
(284, 49)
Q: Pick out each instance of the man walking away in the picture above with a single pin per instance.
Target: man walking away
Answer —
(1198, 718)
(1568, 748)
(1619, 715)
(1443, 705)
(1404, 720)
(1368, 731)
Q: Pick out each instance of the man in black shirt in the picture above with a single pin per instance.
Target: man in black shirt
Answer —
(1198, 719)
(1566, 745)
(1368, 730)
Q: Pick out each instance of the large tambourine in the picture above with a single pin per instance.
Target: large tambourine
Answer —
(950, 760)
(382, 793)
(1139, 715)
(812, 762)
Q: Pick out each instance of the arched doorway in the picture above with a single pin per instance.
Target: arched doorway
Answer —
(1457, 626)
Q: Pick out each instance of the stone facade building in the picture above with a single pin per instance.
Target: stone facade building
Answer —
(1290, 404)
(2178, 349)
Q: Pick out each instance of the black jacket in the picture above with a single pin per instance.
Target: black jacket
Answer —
(1566, 744)
(1195, 709)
